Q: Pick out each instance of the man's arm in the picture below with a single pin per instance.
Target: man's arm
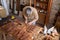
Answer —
(25, 19)
(25, 14)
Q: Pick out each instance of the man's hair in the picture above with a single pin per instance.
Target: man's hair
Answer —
(28, 9)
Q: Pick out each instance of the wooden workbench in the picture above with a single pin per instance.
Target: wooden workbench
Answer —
(21, 31)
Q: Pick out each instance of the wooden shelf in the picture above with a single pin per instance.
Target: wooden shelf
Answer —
(43, 2)
(44, 5)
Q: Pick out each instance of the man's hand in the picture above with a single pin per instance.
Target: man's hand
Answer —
(30, 23)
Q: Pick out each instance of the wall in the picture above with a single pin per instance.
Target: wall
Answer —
(54, 10)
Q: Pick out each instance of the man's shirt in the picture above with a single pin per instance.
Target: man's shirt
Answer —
(32, 16)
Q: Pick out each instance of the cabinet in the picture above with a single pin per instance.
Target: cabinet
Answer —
(41, 5)
(44, 8)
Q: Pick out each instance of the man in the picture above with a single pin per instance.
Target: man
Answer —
(4, 12)
(5, 6)
(30, 14)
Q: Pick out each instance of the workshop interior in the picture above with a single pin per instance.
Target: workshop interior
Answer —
(29, 19)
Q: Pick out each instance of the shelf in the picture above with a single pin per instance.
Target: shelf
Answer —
(45, 12)
(44, 5)
(43, 2)
(40, 1)
(41, 8)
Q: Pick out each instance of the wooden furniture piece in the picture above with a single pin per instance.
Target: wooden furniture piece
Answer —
(44, 8)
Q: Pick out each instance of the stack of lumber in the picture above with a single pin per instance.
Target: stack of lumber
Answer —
(21, 31)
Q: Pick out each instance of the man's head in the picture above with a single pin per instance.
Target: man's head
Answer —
(28, 11)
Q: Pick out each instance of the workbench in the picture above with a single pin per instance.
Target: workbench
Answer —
(21, 31)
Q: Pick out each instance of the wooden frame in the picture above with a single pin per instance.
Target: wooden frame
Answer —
(48, 10)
